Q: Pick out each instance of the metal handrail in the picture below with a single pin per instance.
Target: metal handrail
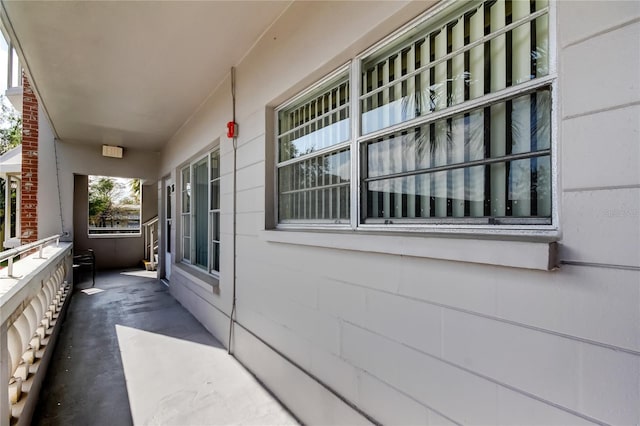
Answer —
(40, 244)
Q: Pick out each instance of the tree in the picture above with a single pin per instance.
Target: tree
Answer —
(135, 190)
(113, 203)
(10, 127)
(101, 206)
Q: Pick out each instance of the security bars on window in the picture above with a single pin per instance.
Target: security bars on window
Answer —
(314, 156)
(454, 126)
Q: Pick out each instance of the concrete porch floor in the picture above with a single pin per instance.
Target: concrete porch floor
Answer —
(129, 353)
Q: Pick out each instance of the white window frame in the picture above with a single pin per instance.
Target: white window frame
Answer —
(347, 144)
(121, 232)
(460, 226)
(185, 214)
(190, 259)
(211, 214)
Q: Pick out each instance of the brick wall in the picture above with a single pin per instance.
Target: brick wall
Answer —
(28, 210)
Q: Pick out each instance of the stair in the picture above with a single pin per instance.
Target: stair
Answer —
(149, 266)
(151, 244)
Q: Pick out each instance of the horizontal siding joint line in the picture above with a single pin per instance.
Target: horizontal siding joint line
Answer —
(600, 110)
(602, 32)
(312, 376)
(603, 188)
(488, 378)
(247, 166)
(600, 265)
(499, 319)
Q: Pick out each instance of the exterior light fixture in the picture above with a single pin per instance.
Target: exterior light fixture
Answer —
(112, 151)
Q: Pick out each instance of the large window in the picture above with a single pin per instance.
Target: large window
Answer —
(453, 127)
(200, 192)
(314, 155)
(114, 206)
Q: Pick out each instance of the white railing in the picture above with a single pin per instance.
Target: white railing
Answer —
(33, 292)
(150, 230)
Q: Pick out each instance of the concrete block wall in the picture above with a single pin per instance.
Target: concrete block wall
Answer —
(417, 340)
(599, 106)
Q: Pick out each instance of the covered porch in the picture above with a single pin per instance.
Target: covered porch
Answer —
(128, 353)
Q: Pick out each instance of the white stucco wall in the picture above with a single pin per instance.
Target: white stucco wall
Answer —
(88, 160)
(412, 339)
(56, 193)
(49, 215)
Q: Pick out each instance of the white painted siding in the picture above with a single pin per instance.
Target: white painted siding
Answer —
(59, 161)
(49, 217)
(415, 340)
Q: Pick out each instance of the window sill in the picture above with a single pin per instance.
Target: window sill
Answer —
(123, 235)
(198, 277)
(516, 251)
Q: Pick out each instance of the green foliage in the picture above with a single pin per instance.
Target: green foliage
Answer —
(135, 190)
(110, 200)
(101, 205)
(10, 127)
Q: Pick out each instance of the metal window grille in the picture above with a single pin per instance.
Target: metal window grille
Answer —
(452, 126)
(456, 120)
(314, 157)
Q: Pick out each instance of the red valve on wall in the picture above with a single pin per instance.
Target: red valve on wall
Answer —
(232, 129)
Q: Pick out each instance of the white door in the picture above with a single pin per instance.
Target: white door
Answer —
(168, 205)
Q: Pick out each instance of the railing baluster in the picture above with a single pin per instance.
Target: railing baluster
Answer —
(27, 315)
(151, 230)
(5, 409)
(152, 251)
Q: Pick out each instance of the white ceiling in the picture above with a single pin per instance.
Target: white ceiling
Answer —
(130, 73)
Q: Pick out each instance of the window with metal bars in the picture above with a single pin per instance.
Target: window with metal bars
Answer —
(468, 114)
(453, 124)
(314, 170)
